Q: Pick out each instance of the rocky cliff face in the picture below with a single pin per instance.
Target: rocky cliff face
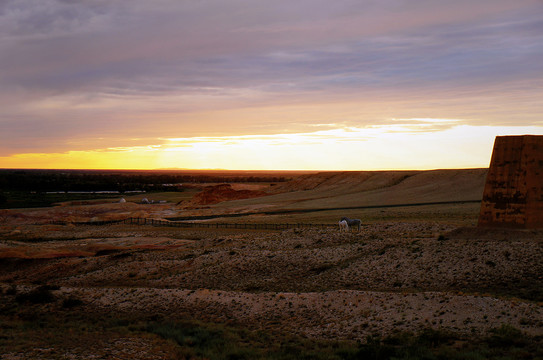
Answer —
(513, 195)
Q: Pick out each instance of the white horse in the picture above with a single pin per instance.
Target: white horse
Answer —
(352, 222)
(343, 226)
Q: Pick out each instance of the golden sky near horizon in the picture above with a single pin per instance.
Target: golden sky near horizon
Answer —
(237, 84)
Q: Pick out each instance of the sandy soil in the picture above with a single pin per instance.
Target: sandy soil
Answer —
(316, 283)
(84, 213)
(341, 314)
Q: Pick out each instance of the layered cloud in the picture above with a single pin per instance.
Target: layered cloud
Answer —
(408, 144)
(87, 75)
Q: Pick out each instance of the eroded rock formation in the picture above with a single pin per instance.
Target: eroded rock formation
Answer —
(513, 194)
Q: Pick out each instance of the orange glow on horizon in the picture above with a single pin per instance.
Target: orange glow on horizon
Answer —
(420, 144)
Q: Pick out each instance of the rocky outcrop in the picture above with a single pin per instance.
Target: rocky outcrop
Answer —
(513, 195)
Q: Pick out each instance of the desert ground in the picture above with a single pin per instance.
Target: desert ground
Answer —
(418, 266)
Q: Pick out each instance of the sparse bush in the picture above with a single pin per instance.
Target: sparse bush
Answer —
(198, 341)
(71, 302)
(433, 338)
(322, 268)
(505, 336)
(40, 295)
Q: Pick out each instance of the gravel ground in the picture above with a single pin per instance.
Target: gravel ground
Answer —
(387, 277)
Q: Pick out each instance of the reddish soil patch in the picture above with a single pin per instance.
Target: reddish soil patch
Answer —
(85, 247)
(223, 192)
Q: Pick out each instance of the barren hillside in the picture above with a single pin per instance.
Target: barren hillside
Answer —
(331, 190)
(314, 283)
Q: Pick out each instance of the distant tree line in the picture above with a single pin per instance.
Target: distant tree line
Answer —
(103, 180)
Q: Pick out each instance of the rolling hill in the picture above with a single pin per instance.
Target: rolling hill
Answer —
(332, 190)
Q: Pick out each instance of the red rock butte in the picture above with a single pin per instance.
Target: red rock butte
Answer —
(513, 194)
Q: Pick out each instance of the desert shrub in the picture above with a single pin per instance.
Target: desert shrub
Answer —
(184, 334)
(12, 290)
(533, 294)
(217, 342)
(374, 348)
(71, 302)
(39, 295)
(433, 338)
(202, 341)
(429, 344)
(322, 268)
(505, 336)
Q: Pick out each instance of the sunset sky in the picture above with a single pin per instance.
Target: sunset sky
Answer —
(250, 84)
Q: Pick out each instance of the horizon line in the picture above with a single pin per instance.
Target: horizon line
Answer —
(244, 170)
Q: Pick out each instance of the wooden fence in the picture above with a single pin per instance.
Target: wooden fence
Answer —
(205, 225)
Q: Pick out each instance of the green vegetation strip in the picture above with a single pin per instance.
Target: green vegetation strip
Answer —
(25, 325)
(217, 342)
